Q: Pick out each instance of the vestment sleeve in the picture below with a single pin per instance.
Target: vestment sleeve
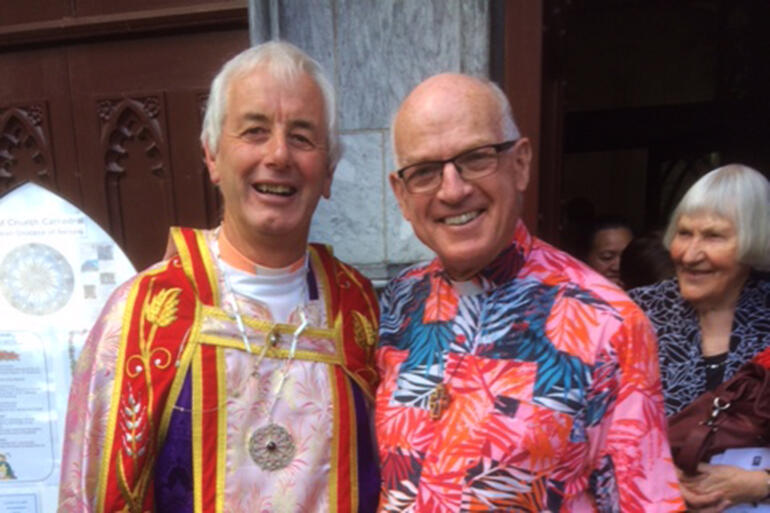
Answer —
(632, 465)
(88, 409)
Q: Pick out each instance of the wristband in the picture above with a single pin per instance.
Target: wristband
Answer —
(767, 485)
(766, 497)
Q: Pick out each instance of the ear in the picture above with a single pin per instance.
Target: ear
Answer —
(211, 164)
(399, 190)
(522, 159)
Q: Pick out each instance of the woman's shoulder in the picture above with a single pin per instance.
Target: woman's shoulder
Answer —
(754, 305)
(755, 295)
(651, 295)
(663, 304)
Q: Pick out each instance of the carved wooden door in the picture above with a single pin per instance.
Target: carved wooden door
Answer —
(102, 104)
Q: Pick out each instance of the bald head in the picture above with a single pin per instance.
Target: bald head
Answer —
(455, 134)
(446, 89)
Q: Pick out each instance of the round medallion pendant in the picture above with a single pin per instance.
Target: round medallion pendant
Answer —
(271, 447)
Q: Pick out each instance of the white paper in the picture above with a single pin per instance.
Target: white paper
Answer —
(57, 269)
(749, 458)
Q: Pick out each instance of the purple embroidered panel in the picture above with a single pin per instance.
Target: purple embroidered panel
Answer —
(368, 468)
(174, 468)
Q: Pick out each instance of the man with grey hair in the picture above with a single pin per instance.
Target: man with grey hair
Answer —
(513, 377)
(237, 374)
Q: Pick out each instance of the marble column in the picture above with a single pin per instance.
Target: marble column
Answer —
(376, 51)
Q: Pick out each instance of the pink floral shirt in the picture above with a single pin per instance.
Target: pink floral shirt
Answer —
(554, 392)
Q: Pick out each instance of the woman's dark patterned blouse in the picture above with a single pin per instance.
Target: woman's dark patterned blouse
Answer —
(683, 370)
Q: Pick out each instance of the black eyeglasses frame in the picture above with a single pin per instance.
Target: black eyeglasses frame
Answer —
(498, 147)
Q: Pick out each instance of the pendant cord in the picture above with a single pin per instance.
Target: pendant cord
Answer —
(270, 339)
(486, 305)
(440, 397)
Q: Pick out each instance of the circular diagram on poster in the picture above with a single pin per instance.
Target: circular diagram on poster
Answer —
(36, 279)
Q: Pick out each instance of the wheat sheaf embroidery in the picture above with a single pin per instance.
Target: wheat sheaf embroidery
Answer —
(363, 331)
(137, 441)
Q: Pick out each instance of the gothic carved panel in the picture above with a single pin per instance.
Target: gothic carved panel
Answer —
(25, 152)
(137, 178)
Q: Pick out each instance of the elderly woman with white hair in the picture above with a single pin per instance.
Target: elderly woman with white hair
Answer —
(715, 314)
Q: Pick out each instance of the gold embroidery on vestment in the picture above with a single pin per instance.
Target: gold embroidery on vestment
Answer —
(160, 311)
(363, 331)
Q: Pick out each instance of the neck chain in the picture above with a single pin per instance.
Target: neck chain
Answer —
(270, 446)
(439, 398)
(716, 361)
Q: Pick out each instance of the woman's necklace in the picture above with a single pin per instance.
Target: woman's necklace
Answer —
(270, 446)
(716, 361)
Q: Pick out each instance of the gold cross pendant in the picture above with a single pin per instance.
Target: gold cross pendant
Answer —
(438, 401)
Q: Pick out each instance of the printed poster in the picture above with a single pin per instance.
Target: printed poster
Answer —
(57, 269)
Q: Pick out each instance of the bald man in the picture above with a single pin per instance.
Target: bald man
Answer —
(513, 377)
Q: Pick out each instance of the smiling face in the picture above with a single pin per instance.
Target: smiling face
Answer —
(604, 254)
(466, 223)
(705, 252)
(271, 164)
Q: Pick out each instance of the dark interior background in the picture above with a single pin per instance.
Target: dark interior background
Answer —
(651, 95)
(627, 103)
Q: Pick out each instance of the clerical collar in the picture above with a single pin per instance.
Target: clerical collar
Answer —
(504, 268)
(237, 260)
(281, 291)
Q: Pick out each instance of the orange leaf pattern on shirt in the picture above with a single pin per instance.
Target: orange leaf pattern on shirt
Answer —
(442, 301)
(555, 395)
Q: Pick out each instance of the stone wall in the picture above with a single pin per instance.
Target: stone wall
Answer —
(376, 52)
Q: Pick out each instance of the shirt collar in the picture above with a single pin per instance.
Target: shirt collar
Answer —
(238, 260)
(504, 268)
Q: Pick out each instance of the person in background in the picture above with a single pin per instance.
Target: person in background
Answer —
(237, 375)
(606, 240)
(715, 314)
(645, 261)
(513, 377)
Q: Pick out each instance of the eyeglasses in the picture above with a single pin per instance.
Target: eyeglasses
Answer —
(425, 177)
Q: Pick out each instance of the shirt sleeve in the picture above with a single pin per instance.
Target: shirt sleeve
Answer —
(88, 409)
(632, 465)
